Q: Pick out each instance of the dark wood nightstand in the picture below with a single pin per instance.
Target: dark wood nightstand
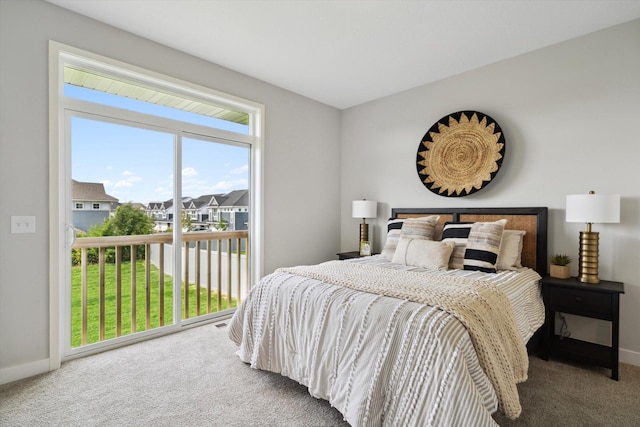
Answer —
(596, 301)
(348, 255)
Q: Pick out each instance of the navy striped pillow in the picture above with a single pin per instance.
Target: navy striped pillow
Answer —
(393, 235)
(458, 233)
(483, 246)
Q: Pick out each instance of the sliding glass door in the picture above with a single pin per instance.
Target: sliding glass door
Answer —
(145, 255)
(155, 202)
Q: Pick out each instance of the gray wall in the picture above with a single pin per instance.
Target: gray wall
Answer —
(569, 113)
(297, 192)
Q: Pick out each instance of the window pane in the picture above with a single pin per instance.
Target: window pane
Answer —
(218, 171)
(215, 198)
(126, 287)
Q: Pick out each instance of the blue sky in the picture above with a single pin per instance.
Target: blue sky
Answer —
(136, 165)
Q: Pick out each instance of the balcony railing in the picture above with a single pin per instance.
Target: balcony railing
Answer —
(216, 264)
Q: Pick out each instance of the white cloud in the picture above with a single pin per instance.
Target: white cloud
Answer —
(189, 172)
(226, 186)
(128, 181)
(192, 186)
(126, 173)
(123, 183)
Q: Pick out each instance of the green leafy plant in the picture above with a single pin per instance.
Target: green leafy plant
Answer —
(561, 259)
(126, 221)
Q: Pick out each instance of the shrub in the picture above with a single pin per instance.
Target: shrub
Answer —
(561, 259)
(126, 221)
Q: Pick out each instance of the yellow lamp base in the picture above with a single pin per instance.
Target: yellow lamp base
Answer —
(364, 232)
(588, 257)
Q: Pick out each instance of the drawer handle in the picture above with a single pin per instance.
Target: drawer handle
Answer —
(578, 299)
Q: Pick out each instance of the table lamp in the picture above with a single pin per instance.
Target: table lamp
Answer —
(591, 208)
(364, 209)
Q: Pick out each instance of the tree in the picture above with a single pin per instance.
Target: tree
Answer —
(127, 221)
(222, 225)
(186, 221)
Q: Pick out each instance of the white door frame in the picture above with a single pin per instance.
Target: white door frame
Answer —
(60, 168)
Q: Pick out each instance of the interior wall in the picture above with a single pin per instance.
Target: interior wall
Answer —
(569, 115)
(298, 193)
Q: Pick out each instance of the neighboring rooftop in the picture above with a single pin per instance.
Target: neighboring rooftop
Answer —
(90, 192)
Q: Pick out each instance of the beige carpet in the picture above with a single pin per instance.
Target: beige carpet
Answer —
(193, 378)
(565, 394)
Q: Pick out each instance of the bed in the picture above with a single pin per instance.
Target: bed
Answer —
(391, 341)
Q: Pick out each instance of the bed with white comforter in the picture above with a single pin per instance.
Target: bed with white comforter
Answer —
(385, 359)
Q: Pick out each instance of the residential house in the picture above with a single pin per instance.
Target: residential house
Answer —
(205, 212)
(157, 210)
(213, 208)
(234, 210)
(196, 211)
(91, 204)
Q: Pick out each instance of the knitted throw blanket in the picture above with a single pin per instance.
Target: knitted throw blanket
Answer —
(479, 305)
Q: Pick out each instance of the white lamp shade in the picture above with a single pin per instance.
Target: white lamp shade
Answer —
(365, 209)
(593, 208)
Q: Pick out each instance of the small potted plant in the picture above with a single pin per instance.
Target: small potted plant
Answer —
(560, 266)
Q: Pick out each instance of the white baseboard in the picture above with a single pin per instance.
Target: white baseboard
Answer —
(26, 370)
(630, 357)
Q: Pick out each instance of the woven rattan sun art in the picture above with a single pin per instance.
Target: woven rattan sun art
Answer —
(460, 154)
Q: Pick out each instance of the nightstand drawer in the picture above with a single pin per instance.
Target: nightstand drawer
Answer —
(579, 302)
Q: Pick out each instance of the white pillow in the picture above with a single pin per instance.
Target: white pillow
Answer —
(423, 253)
(395, 226)
(510, 256)
(419, 228)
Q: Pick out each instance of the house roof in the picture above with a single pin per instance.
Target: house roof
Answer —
(233, 198)
(90, 192)
(203, 201)
(217, 199)
(237, 198)
(154, 206)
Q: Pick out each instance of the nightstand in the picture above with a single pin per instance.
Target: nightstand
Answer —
(596, 301)
(348, 255)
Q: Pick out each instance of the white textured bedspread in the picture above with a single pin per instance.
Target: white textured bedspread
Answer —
(379, 360)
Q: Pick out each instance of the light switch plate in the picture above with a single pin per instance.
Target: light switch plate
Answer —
(23, 224)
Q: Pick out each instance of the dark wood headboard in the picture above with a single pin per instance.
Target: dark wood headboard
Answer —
(532, 220)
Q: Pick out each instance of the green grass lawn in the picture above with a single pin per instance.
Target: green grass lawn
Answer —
(93, 307)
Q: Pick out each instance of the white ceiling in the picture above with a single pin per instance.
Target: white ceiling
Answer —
(344, 53)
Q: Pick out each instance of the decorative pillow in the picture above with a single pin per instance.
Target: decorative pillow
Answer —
(483, 246)
(423, 253)
(458, 233)
(510, 256)
(394, 227)
(393, 235)
(419, 228)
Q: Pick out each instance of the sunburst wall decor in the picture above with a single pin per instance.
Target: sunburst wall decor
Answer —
(460, 154)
